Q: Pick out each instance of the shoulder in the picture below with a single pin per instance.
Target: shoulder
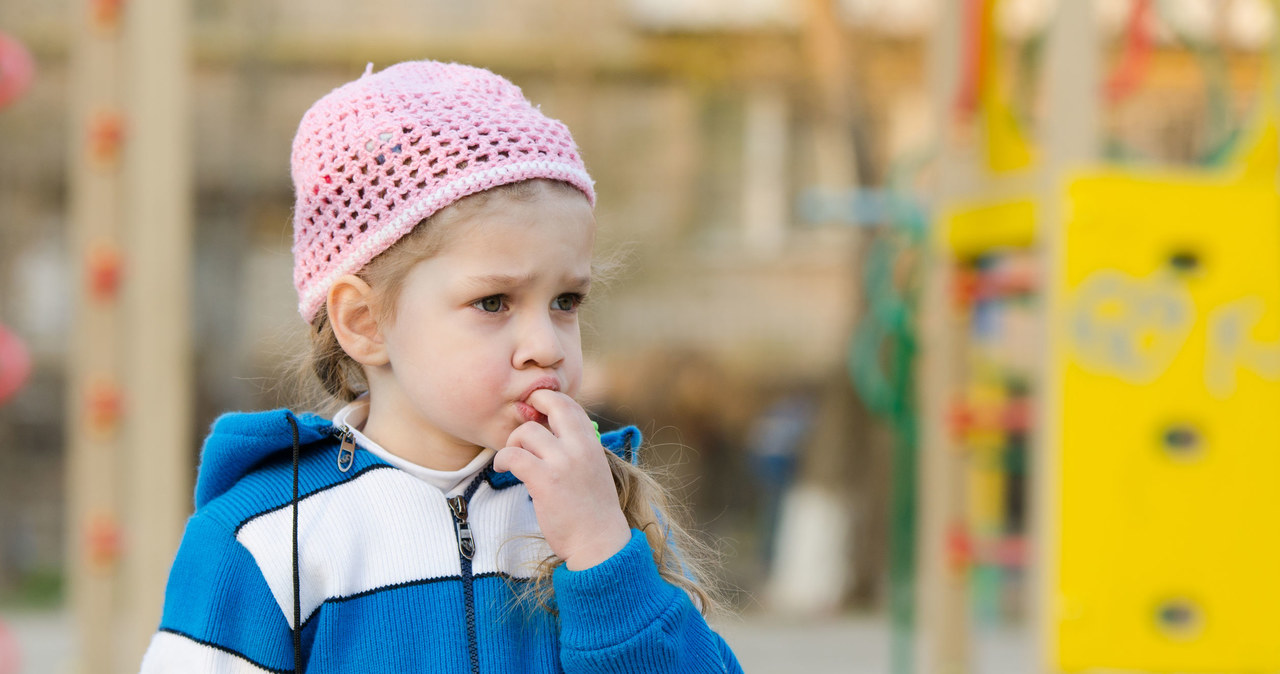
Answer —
(268, 486)
(624, 442)
(239, 442)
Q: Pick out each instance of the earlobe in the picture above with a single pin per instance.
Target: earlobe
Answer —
(354, 318)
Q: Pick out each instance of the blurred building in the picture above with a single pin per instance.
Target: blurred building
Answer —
(730, 142)
(695, 127)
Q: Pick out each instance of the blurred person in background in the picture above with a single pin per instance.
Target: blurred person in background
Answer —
(774, 446)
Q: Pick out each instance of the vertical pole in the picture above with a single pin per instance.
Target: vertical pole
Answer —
(943, 645)
(127, 472)
(1071, 74)
(96, 366)
(157, 219)
(1072, 83)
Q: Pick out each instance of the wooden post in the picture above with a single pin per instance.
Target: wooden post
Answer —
(96, 369)
(1071, 73)
(157, 297)
(128, 475)
(943, 641)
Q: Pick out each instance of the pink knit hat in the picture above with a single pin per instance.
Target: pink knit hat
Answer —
(376, 156)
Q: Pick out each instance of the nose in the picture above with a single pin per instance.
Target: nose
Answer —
(540, 344)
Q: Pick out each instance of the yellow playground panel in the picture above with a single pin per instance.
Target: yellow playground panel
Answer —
(1165, 525)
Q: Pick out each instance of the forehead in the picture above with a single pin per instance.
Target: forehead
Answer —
(504, 227)
(549, 214)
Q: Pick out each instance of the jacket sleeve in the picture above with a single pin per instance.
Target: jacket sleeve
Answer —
(219, 615)
(621, 616)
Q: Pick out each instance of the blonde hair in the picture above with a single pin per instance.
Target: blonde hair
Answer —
(681, 557)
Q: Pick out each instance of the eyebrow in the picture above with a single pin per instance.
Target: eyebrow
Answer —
(487, 281)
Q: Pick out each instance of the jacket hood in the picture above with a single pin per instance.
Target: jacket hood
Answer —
(239, 441)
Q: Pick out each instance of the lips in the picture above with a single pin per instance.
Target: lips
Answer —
(550, 383)
(529, 412)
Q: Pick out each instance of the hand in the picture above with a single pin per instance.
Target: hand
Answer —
(567, 474)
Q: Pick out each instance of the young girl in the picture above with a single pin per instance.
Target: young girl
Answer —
(461, 513)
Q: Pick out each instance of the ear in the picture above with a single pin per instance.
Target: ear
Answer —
(354, 318)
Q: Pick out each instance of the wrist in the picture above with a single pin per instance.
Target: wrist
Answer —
(610, 604)
(600, 548)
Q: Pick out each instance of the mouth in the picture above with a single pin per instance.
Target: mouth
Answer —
(548, 383)
(529, 412)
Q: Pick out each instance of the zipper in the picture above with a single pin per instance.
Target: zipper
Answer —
(466, 551)
(466, 541)
(346, 448)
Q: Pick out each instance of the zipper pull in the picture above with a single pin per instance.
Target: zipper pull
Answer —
(346, 450)
(466, 542)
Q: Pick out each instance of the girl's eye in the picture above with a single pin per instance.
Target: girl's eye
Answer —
(567, 302)
(491, 304)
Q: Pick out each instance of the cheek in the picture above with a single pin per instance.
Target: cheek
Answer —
(572, 367)
(459, 390)
(476, 365)
(434, 354)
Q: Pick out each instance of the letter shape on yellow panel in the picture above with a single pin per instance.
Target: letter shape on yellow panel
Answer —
(1168, 489)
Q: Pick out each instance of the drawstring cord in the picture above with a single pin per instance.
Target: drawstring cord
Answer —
(297, 599)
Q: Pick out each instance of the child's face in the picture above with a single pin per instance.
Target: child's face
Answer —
(490, 318)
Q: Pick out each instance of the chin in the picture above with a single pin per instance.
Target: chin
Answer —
(498, 441)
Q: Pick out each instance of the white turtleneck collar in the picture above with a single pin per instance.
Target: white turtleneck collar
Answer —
(356, 413)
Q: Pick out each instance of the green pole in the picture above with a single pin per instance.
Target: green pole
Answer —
(881, 360)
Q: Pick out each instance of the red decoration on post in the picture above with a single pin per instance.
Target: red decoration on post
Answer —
(959, 548)
(15, 364)
(105, 14)
(960, 418)
(17, 69)
(1136, 59)
(103, 542)
(103, 270)
(106, 135)
(973, 56)
(104, 407)
(965, 284)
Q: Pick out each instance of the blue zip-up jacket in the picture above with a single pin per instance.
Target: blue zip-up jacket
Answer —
(383, 581)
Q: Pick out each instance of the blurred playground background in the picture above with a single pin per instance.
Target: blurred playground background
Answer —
(958, 321)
